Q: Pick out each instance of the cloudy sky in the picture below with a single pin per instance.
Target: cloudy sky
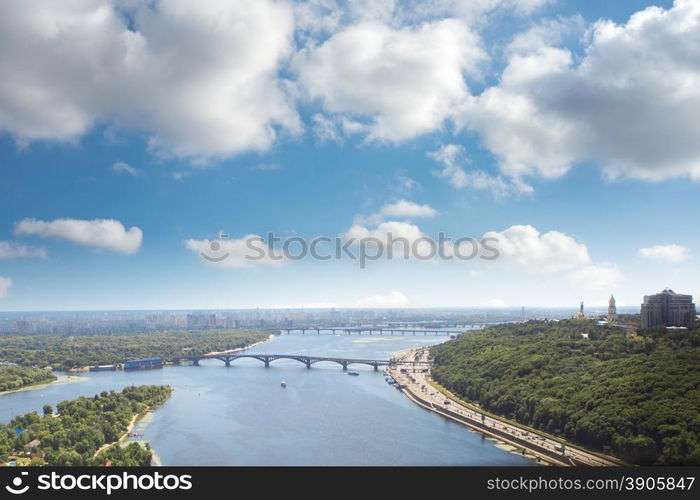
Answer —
(133, 133)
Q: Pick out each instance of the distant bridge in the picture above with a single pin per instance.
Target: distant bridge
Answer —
(306, 360)
(379, 331)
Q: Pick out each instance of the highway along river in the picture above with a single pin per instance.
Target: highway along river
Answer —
(241, 415)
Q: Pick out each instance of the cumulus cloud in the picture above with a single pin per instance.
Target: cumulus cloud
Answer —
(200, 78)
(452, 157)
(404, 81)
(5, 284)
(392, 239)
(107, 234)
(13, 250)
(630, 104)
(596, 277)
(245, 252)
(405, 208)
(390, 300)
(525, 246)
(672, 254)
(121, 167)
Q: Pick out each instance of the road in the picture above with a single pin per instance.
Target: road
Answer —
(418, 381)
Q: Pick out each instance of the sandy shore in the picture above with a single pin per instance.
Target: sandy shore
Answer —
(237, 349)
(123, 437)
(62, 379)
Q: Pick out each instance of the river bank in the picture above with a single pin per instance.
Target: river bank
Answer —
(420, 388)
(61, 379)
(129, 429)
(83, 369)
(239, 349)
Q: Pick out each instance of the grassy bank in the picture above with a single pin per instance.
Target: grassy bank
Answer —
(636, 396)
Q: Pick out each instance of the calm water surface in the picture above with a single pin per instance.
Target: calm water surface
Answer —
(240, 415)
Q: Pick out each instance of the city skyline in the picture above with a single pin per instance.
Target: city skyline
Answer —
(111, 195)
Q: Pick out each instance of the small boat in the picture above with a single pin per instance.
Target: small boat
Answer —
(354, 374)
(283, 383)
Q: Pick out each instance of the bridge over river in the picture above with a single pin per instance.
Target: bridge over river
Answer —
(306, 360)
(375, 330)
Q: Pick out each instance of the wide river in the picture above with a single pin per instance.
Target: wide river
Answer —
(241, 415)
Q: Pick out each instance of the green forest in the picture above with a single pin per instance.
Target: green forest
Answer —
(72, 434)
(16, 377)
(65, 352)
(637, 396)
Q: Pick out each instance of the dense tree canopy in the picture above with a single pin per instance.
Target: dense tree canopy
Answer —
(65, 352)
(16, 377)
(78, 429)
(637, 394)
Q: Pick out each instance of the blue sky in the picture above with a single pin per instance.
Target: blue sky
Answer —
(537, 122)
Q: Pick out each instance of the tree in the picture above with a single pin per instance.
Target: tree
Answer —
(48, 410)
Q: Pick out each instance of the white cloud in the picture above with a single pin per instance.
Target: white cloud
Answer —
(200, 78)
(596, 277)
(672, 254)
(107, 234)
(178, 176)
(245, 252)
(390, 300)
(396, 229)
(5, 284)
(326, 128)
(400, 240)
(452, 156)
(630, 104)
(403, 82)
(121, 167)
(12, 250)
(405, 208)
(495, 303)
(402, 184)
(524, 246)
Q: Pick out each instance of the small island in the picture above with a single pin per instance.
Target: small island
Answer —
(83, 432)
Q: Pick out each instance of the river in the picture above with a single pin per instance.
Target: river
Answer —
(241, 415)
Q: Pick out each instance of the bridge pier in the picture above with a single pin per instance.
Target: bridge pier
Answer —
(308, 364)
(267, 362)
(227, 361)
(195, 362)
(376, 367)
(345, 366)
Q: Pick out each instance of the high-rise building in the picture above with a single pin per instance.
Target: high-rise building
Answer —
(668, 308)
(612, 309)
